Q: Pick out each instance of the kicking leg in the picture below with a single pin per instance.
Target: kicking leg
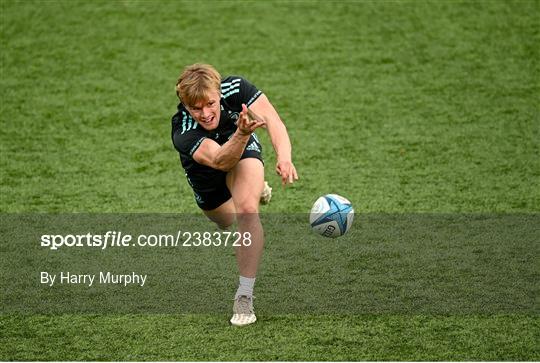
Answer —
(223, 216)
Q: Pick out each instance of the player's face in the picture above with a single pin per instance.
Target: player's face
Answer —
(207, 112)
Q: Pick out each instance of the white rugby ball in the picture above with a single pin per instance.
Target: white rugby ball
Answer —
(331, 215)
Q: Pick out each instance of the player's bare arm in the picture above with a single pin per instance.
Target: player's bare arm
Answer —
(226, 156)
(263, 109)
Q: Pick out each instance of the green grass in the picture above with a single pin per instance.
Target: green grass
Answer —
(440, 98)
(387, 264)
(405, 108)
(286, 337)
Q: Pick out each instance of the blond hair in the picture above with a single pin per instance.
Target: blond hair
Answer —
(196, 82)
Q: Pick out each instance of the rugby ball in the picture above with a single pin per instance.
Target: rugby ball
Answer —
(331, 216)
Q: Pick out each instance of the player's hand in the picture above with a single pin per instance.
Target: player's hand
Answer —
(246, 125)
(287, 171)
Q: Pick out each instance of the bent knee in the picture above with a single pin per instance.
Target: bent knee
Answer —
(225, 221)
(225, 226)
(247, 208)
(222, 220)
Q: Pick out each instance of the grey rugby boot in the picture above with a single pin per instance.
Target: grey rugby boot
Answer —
(243, 313)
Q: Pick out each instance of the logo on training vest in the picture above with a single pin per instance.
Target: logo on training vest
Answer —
(234, 116)
(253, 147)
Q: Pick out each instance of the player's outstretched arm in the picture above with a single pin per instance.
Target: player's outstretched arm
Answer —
(226, 156)
(279, 137)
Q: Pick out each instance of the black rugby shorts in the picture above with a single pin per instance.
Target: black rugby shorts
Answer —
(219, 193)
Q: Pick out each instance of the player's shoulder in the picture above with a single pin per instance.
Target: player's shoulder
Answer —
(187, 135)
(184, 124)
(180, 110)
(231, 79)
(236, 90)
(231, 85)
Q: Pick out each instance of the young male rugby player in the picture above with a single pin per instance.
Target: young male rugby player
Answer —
(213, 132)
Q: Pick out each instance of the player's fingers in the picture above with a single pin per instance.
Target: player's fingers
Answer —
(243, 113)
(242, 117)
(292, 175)
(254, 125)
(259, 124)
(295, 173)
(284, 176)
(243, 120)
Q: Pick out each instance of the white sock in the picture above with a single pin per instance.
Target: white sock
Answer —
(245, 287)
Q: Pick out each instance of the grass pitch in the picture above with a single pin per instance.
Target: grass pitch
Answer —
(403, 107)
